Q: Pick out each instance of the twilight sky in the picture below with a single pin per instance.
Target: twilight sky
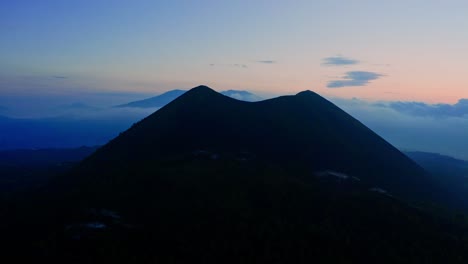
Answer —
(408, 50)
(400, 66)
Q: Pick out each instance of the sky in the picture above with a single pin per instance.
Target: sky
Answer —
(386, 50)
(390, 62)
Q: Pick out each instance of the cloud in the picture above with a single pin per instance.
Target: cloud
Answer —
(242, 95)
(235, 65)
(267, 61)
(239, 65)
(354, 78)
(460, 109)
(339, 61)
(60, 77)
(410, 131)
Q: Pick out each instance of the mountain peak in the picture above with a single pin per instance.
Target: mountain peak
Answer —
(307, 93)
(201, 92)
(202, 89)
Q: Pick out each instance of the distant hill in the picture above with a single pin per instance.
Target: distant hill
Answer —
(44, 157)
(167, 97)
(60, 132)
(211, 179)
(25, 169)
(242, 95)
(156, 101)
(433, 160)
(449, 172)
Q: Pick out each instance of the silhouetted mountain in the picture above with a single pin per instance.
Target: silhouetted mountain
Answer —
(304, 129)
(207, 178)
(167, 97)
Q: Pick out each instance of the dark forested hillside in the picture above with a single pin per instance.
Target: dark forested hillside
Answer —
(210, 179)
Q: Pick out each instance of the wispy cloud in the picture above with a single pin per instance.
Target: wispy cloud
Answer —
(60, 77)
(460, 109)
(339, 61)
(354, 78)
(267, 61)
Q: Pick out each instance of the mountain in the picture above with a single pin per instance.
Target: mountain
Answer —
(303, 129)
(156, 101)
(211, 179)
(165, 98)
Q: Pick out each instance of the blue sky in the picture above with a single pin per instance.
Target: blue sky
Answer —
(417, 48)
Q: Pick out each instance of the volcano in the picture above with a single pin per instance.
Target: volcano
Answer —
(212, 179)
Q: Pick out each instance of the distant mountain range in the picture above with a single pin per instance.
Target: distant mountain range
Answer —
(165, 98)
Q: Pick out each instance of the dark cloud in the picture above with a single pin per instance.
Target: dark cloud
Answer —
(354, 78)
(267, 61)
(460, 109)
(339, 61)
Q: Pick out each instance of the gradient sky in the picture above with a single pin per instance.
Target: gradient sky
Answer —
(410, 50)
